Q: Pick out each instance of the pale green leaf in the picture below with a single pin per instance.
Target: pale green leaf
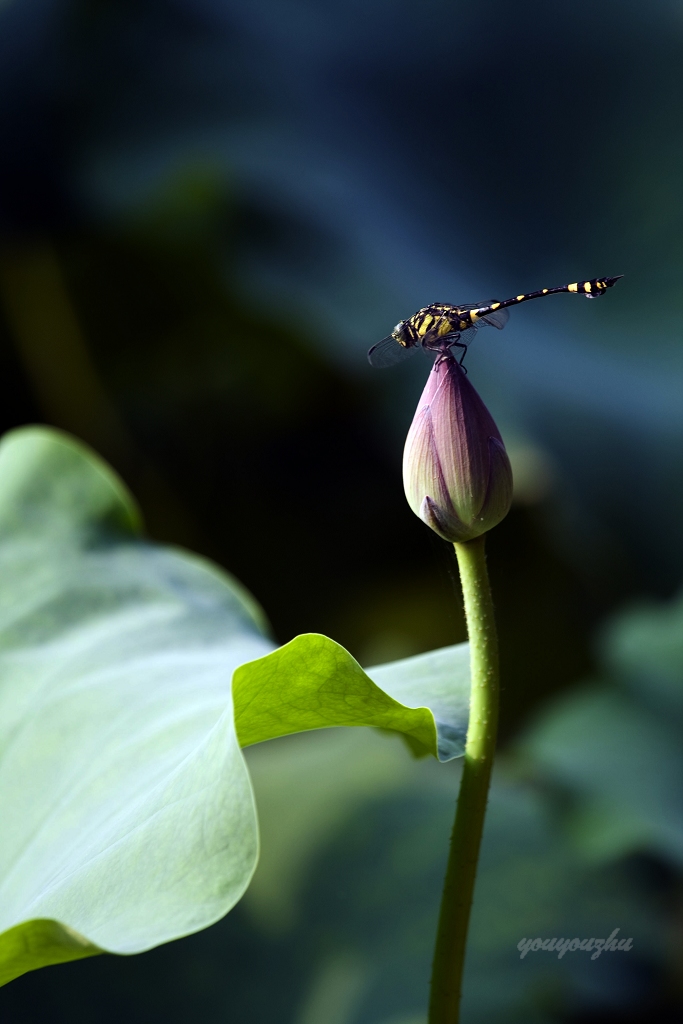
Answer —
(126, 807)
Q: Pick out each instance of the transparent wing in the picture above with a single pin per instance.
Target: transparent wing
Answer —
(496, 319)
(388, 352)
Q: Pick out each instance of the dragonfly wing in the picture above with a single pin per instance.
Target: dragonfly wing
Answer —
(496, 319)
(388, 352)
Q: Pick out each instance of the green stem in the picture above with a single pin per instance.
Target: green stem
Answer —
(456, 901)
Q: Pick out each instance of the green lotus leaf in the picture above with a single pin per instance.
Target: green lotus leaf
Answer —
(313, 683)
(127, 812)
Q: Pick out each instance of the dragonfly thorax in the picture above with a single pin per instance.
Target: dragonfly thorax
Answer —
(433, 323)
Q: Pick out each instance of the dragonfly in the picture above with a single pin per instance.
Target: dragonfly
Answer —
(441, 326)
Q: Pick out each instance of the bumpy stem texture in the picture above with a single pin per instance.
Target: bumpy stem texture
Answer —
(456, 902)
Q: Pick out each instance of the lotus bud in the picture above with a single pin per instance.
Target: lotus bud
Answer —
(456, 472)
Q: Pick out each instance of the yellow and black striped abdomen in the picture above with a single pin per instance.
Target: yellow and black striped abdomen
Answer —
(590, 289)
(597, 286)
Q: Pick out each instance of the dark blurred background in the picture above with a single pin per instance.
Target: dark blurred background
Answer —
(210, 210)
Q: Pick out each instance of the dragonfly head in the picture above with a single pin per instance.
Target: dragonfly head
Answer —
(401, 334)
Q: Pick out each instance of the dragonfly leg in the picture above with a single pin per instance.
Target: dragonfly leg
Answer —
(463, 346)
(442, 347)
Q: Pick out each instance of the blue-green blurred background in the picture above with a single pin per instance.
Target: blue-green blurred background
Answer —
(209, 211)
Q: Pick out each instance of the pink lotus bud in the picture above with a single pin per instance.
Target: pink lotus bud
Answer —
(456, 472)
